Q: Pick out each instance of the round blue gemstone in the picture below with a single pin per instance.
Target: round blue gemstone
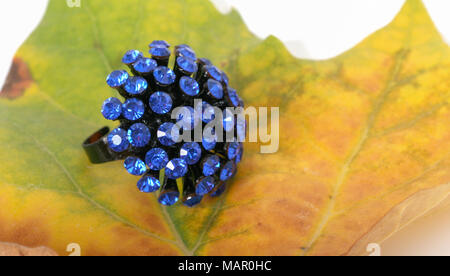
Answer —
(214, 72)
(219, 190)
(215, 88)
(145, 65)
(187, 118)
(156, 159)
(233, 97)
(117, 78)
(117, 140)
(168, 134)
(241, 129)
(138, 135)
(225, 78)
(208, 112)
(112, 108)
(192, 200)
(228, 120)
(187, 65)
(164, 75)
(205, 61)
(211, 165)
(131, 56)
(159, 43)
(186, 51)
(160, 52)
(134, 165)
(209, 139)
(227, 171)
(208, 144)
(176, 168)
(160, 102)
(240, 154)
(148, 184)
(168, 198)
(189, 86)
(133, 109)
(233, 149)
(136, 85)
(205, 185)
(191, 152)
(182, 46)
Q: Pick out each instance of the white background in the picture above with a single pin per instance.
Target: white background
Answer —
(315, 29)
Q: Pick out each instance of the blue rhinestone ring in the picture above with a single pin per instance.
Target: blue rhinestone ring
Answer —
(160, 105)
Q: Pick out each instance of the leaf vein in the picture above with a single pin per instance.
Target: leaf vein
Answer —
(365, 135)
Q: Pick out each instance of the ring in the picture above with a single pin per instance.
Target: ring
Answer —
(172, 125)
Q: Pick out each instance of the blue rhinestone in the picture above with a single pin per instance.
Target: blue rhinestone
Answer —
(160, 102)
(160, 52)
(176, 168)
(192, 200)
(138, 135)
(131, 56)
(182, 46)
(225, 78)
(227, 171)
(187, 118)
(209, 138)
(117, 78)
(228, 120)
(168, 198)
(112, 108)
(189, 86)
(164, 75)
(205, 61)
(148, 184)
(210, 165)
(117, 140)
(159, 43)
(186, 51)
(205, 185)
(168, 134)
(215, 88)
(187, 65)
(136, 85)
(156, 159)
(191, 152)
(208, 112)
(219, 190)
(134, 165)
(145, 65)
(240, 154)
(208, 144)
(214, 72)
(233, 150)
(133, 109)
(233, 97)
(241, 129)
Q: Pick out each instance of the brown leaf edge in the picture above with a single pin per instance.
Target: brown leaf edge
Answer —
(18, 80)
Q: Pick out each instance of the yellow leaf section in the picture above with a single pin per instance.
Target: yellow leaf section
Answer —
(362, 133)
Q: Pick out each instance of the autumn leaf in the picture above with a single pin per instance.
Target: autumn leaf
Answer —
(364, 137)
